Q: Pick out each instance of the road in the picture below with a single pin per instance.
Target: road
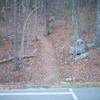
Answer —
(51, 94)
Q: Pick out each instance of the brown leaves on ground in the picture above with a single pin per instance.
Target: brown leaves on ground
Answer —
(51, 62)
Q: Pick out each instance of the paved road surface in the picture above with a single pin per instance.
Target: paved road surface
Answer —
(51, 94)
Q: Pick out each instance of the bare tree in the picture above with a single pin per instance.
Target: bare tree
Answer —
(5, 16)
(79, 48)
(75, 20)
(16, 59)
(46, 17)
(98, 23)
(36, 20)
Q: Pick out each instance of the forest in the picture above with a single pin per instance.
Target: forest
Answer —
(49, 42)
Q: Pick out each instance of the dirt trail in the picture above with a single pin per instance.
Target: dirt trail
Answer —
(49, 60)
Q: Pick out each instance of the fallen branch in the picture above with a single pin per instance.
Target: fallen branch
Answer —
(12, 58)
(6, 60)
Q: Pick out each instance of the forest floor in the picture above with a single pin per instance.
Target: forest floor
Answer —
(51, 63)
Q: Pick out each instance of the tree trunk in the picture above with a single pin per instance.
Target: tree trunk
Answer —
(15, 33)
(98, 24)
(36, 21)
(46, 18)
(75, 20)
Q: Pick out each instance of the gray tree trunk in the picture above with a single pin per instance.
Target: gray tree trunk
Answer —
(98, 24)
(75, 20)
(36, 21)
(15, 33)
(46, 17)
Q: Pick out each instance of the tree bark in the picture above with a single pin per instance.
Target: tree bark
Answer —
(75, 20)
(46, 18)
(98, 24)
